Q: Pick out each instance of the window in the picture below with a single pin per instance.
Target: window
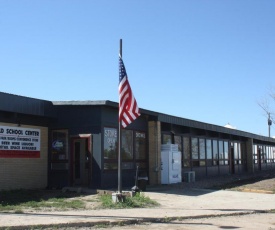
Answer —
(133, 149)
(264, 154)
(209, 152)
(110, 148)
(110, 143)
(267, 154)
(110, 165)
(178, 142)
(195, 149)
(226, 162)
(140, 150)
(127, 149)
(127, 145)
(221, 153)
(238, 153)
(140, 146)
(186, 152)
(260, 153)
(255, 154)
(195, 152)
(202, 151)
(166, 139)
(59, 148)
(215, 152)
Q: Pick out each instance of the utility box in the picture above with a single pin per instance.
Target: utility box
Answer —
(170, 164)
(189, 176)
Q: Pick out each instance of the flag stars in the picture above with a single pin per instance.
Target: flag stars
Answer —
(122, 71)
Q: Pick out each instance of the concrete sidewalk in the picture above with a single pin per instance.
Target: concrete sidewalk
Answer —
(174, 203)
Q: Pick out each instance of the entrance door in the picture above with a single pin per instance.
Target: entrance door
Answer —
(81, 162)
(78, 162)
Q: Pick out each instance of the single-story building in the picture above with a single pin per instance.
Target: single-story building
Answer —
(74, 143)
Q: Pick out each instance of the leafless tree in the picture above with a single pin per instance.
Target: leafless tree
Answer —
(265, 105)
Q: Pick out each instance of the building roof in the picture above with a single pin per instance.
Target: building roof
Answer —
(25, 105)
(32, 106)
(87, 102)
(175, 120)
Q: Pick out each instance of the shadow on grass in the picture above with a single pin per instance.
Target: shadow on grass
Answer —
(18, 197)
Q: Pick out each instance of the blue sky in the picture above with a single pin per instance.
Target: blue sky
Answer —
(206, 60)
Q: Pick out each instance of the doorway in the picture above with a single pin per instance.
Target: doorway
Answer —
(81, 161)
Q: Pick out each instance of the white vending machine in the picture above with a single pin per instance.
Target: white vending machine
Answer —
(170, 164)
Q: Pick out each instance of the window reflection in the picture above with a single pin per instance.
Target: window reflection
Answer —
(133, 149)
(221, 153)
(59, 148)
(226, 162)
(215, 152)
(202, 151)
(195, 149)
(127, 144)
(209, 152)
(167, 139)
(264, 153)
(178, 142)
(186, 152)
(110, 143)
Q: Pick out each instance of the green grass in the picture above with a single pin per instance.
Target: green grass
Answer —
(138, 201)
(17, 200)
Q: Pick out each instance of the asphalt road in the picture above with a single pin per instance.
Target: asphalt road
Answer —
(250, 221)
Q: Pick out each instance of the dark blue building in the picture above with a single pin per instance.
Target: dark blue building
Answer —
(82, 136)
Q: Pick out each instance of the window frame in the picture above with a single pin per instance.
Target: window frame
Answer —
(130, 163)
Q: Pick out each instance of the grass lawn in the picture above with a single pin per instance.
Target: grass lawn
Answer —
(20, 201)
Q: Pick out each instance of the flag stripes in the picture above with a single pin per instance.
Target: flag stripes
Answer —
(128, 108)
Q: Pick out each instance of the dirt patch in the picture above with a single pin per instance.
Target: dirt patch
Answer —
(263, 182)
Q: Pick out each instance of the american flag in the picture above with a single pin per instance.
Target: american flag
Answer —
(128, 108)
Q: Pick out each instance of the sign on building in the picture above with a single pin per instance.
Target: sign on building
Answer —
(17, 142)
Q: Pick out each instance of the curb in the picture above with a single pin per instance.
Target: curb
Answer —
(108, 223)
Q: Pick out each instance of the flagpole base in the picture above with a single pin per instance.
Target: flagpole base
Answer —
(118, 197)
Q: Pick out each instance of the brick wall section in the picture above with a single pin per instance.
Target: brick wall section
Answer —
(154, 133)
(26, 173)
(249, 147)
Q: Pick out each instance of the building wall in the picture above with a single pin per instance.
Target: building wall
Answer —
(77, 120)
(25, 173)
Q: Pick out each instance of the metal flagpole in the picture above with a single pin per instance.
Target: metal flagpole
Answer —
(119, 139)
